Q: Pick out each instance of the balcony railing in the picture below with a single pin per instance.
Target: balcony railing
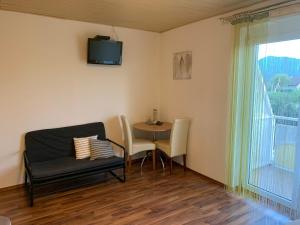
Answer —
(284, 146)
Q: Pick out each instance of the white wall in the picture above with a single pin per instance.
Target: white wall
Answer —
(204, 97)
(45, 81)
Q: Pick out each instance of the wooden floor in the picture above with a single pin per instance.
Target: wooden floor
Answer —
(147, 198)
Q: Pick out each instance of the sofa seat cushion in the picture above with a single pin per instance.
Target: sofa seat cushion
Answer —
(69, 166)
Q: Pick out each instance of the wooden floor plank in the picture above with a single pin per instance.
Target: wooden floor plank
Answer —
(153, 197)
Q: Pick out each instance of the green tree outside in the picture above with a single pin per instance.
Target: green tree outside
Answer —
(285, 103)
(285, 100)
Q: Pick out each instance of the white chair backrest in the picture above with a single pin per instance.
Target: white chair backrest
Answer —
(126, 134)
(179, 137)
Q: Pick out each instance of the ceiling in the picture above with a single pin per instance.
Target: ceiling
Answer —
(151, 15)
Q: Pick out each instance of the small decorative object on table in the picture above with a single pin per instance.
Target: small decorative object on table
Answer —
(155, 116)
(154, 120)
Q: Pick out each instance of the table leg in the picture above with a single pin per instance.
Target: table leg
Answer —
(154, 151)
(145, 157)
(162, 161)
(154, 159)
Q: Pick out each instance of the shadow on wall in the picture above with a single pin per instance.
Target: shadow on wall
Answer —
(82, 47)
(13, 171)
(21, 161)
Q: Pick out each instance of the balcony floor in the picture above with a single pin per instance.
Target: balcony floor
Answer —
(273, 179)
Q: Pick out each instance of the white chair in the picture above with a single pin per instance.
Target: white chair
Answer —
(135, 145)
(177, 145)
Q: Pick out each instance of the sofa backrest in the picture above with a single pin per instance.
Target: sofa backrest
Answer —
(43, 145)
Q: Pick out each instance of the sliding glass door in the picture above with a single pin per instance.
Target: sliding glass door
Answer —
(274, 158)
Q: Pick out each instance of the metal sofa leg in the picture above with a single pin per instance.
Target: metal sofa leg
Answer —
(29, 188)
(25, 179)
(116, 176)
(31, 193)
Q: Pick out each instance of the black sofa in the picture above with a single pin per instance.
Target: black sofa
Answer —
(50, 156)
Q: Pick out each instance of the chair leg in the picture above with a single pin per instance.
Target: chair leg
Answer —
(184, 163)
(129, 163)
(154, 159)
(171, 165)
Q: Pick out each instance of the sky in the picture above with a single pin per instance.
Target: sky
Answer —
(284, 48)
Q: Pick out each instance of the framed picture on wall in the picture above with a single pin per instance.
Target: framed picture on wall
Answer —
(182, 65)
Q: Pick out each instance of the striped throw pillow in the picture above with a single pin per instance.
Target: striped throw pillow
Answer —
(101, 149)
(82, 146)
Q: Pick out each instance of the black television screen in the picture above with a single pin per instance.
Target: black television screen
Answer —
(106, 52)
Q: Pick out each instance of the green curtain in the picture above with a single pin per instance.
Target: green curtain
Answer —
(247, 37)
(251, 127)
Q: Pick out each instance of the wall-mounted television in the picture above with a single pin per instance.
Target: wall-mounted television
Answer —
(104, 51)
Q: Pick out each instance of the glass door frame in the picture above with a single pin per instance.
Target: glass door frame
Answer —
(294, 203)
(296, 188)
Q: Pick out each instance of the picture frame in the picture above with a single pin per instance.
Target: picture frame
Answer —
(182, 65)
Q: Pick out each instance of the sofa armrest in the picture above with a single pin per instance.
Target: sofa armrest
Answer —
(122, 147)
